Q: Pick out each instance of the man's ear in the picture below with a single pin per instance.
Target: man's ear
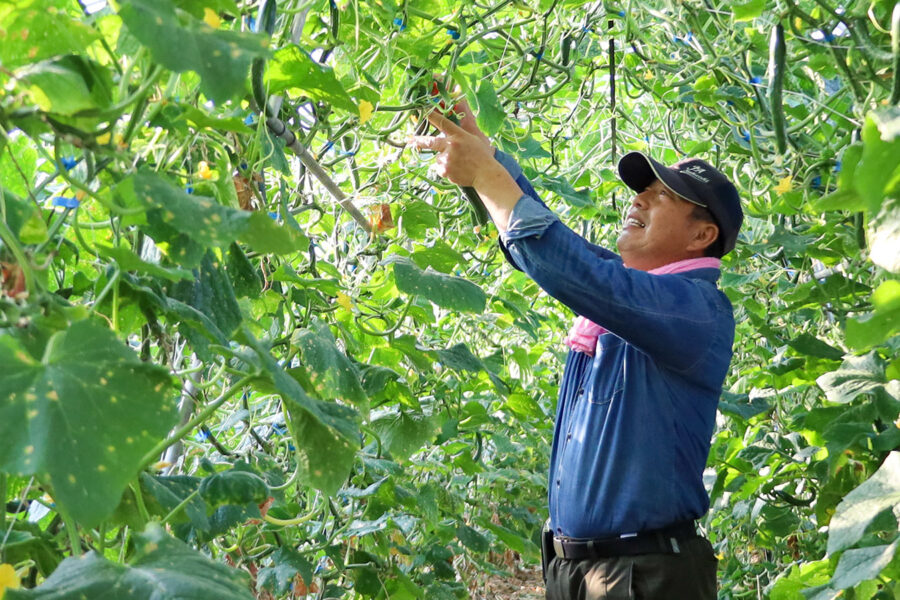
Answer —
(705, 234)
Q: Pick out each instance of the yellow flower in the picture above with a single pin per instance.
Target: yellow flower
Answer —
(365, 111)
(103, 139)
(211, 18)
(345, 301)
(784, 185)
(9, 579)
(203, 170)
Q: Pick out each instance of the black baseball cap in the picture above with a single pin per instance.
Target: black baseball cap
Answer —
(696, 181)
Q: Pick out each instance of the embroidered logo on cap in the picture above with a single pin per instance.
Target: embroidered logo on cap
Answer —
(695, 172)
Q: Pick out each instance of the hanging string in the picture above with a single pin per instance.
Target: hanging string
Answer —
(612, 101)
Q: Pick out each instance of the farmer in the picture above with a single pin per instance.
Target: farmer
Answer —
(649, 352)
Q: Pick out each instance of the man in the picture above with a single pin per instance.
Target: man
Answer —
(649, 353)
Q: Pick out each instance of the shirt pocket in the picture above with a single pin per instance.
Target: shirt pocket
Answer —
(599, 397)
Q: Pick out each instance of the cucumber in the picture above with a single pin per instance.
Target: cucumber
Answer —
(264, 23)
(777, 51)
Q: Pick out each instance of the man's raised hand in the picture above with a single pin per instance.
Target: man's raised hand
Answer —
(463, 157)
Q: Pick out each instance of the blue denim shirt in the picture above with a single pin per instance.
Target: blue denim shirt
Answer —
(634, 422)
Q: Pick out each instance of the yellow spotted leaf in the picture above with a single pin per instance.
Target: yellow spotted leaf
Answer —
(83, 413)
(365, 111)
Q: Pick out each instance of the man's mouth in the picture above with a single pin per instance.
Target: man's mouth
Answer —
(635, 222)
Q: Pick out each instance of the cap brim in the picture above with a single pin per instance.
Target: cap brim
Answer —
(637, 171)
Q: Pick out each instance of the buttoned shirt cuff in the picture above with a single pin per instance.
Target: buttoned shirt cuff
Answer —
(529, 218)
(509, 163)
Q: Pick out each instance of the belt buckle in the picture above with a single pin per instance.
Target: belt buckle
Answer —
(558, 547)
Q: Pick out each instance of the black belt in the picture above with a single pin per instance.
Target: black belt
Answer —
(656, 541)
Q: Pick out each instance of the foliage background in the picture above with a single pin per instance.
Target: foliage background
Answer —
(214, 374)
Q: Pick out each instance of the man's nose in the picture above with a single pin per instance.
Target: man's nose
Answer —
(639, 200)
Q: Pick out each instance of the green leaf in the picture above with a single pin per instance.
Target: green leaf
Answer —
(748, 11)
(200, 218)
(527, 147)
(860, 507)
(884, 234)
(439, 256)
(207, 222)
(857, 375)
(742, 406)
(162, 567)
(19, 152)
(129, 261)
(472, 539)
(444, 290)
(234, 486)
(212, 295)
(330, 372)
(23, 219)
(813, 346)
(85, 414)
(326, 434)
(404, 434)
(878, 167)
(486, 105)
(36, 30)
(459, 357)
(265, 235)
(287, 563)
(68, 84)
(800, 577)
(169, 491)
(862, 564)
(222, 58)
(199, 119)
(564, 190)
(416, 218)
(292, 69)
(879, 325)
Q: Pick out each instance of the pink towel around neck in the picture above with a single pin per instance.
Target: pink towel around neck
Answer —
(584, 333)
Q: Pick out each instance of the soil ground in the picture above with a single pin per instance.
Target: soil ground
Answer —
(521, 584)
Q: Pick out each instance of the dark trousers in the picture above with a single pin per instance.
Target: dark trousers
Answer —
(688, 575)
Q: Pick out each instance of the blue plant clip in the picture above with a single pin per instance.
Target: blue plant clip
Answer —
(65, 202)
(755, 79)
(69, 162)
(201, 436)
(189, 188)
(250, 119)
(453, 33)
(398, 21)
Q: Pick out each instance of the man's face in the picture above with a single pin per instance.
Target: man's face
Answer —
(658, 229)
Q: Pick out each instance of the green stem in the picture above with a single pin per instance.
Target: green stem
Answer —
(153, 454)
(71, 531)
(2, 510)
(139, 501)
(180, 506)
